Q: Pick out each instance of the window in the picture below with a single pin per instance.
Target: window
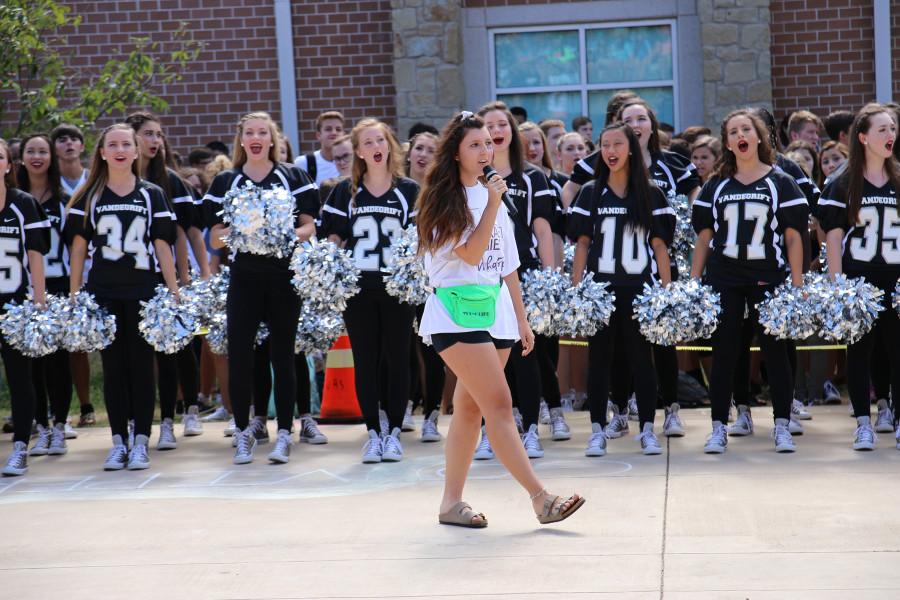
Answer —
(562, 72)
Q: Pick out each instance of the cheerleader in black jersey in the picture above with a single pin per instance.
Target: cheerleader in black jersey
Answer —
(181, 367)
(530, 192)
(260, 289)
(859, 212)
(547, 347)
(366, 213)
(623, 226)
(471, 254)
(24, 238)
(740, 217)
(127, 223)
(39, 176)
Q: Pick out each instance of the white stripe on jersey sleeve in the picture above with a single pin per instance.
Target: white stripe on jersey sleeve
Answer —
(183, 199)
(547, 192)
(687, 171)
(827, 202)
(580, 211)
(702, 203)
(663, 211)
(76, 211)
(583, 164)
(310, 186)
(331, 209)
(163, 215)
(795, 202)
(38, 224)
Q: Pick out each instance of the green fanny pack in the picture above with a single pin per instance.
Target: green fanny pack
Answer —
(472, 306)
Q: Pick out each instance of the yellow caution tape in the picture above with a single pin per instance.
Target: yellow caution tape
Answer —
(709, 348)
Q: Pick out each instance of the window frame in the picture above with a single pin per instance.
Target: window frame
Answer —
(585, 88)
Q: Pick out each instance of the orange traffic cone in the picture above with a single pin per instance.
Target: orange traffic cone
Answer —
(339, 403)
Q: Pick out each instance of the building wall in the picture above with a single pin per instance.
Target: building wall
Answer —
(823, 55)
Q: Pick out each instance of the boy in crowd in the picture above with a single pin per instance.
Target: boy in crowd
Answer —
(320, 164)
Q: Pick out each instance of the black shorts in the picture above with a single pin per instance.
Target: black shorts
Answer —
(442, 341)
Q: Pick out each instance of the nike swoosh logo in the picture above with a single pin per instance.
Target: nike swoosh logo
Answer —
(9, 220)
(760, 189)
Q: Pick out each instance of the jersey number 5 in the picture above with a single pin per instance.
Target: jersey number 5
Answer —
(10, 266)
(132, 244)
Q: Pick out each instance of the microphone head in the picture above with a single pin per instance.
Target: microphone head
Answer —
(489, 171)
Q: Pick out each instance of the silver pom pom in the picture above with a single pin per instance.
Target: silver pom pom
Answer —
(317, 329)
(324, 274)
(88, 328)
(683, 242)
(167, 324)
(682, 312)
(896, 297)
(847, 308)
(568, 258)
(585, 308)
(262, 334)
(406, 278)
(198, 299)
(543, 291)
(217, 336)
(31, 329)
(261, 220)
(789, 313)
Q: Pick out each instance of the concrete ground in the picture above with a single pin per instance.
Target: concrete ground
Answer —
(821, 524)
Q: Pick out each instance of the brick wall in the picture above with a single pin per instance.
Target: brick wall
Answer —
(343, 53)
(236, 72)
(489, 3)
(822, 55)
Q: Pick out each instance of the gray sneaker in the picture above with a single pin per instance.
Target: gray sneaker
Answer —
(309, 432)
(118, 455)
(191, 422)
(372, 449)
(139, 458)
(230, 428)
(649, 442)
(884, 422)
(717, 442)
(532, 442)
(408, 423)
(794, 426)
(865, 437)
(41, 445)
(544, 414)
(167, 439)
(383, 422)
(391, 448)
(259, 430)
(244, 444)
(484, 450)
(17, 463)
(559, 429)
(799, 411)
(220, 414)
(672, 426)
(597, 442)
(70, 431)
(633, 414)
(520, 422)
(784, 442)
(618, 426)
(58, 440)
(430, 431)
(743, 424)
(281, 453)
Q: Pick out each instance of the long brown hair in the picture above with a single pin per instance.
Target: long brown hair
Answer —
(98, 175)
(516, 150)
(851, 181)
(531, 126)
(156, 166)
(239, 158)
(726, 165)
(54, 182)
(653, 145)
(639, 186)
(9, 178)
(443, 208)
(395, 159)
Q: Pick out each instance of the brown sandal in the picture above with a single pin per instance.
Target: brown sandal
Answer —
(462, 515)
(553, 511)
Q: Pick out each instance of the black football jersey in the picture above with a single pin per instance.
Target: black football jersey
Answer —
(619, 253)
(56, 260)
(557, 181)
(289, 177)
(748, 223)
(370, 224)
(23, 227)
(871, 246)
(533, 198)
(120, 231)
(669, 171)
(182, 201)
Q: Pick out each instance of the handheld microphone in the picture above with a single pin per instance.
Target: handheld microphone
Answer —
(489, 172)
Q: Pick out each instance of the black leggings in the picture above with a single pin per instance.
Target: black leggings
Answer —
(255, 297)
(880, 365)
(547, 350)
(665, 363)
(172, 370)
(727, 353)
(432, 388)
(379, 327)
(21, 390)
(523, 376)
(52, 376)
(262, 381)
(129, 387)
(860, 354)
(624, 337)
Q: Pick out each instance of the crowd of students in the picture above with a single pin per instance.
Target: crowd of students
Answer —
(139, 216)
